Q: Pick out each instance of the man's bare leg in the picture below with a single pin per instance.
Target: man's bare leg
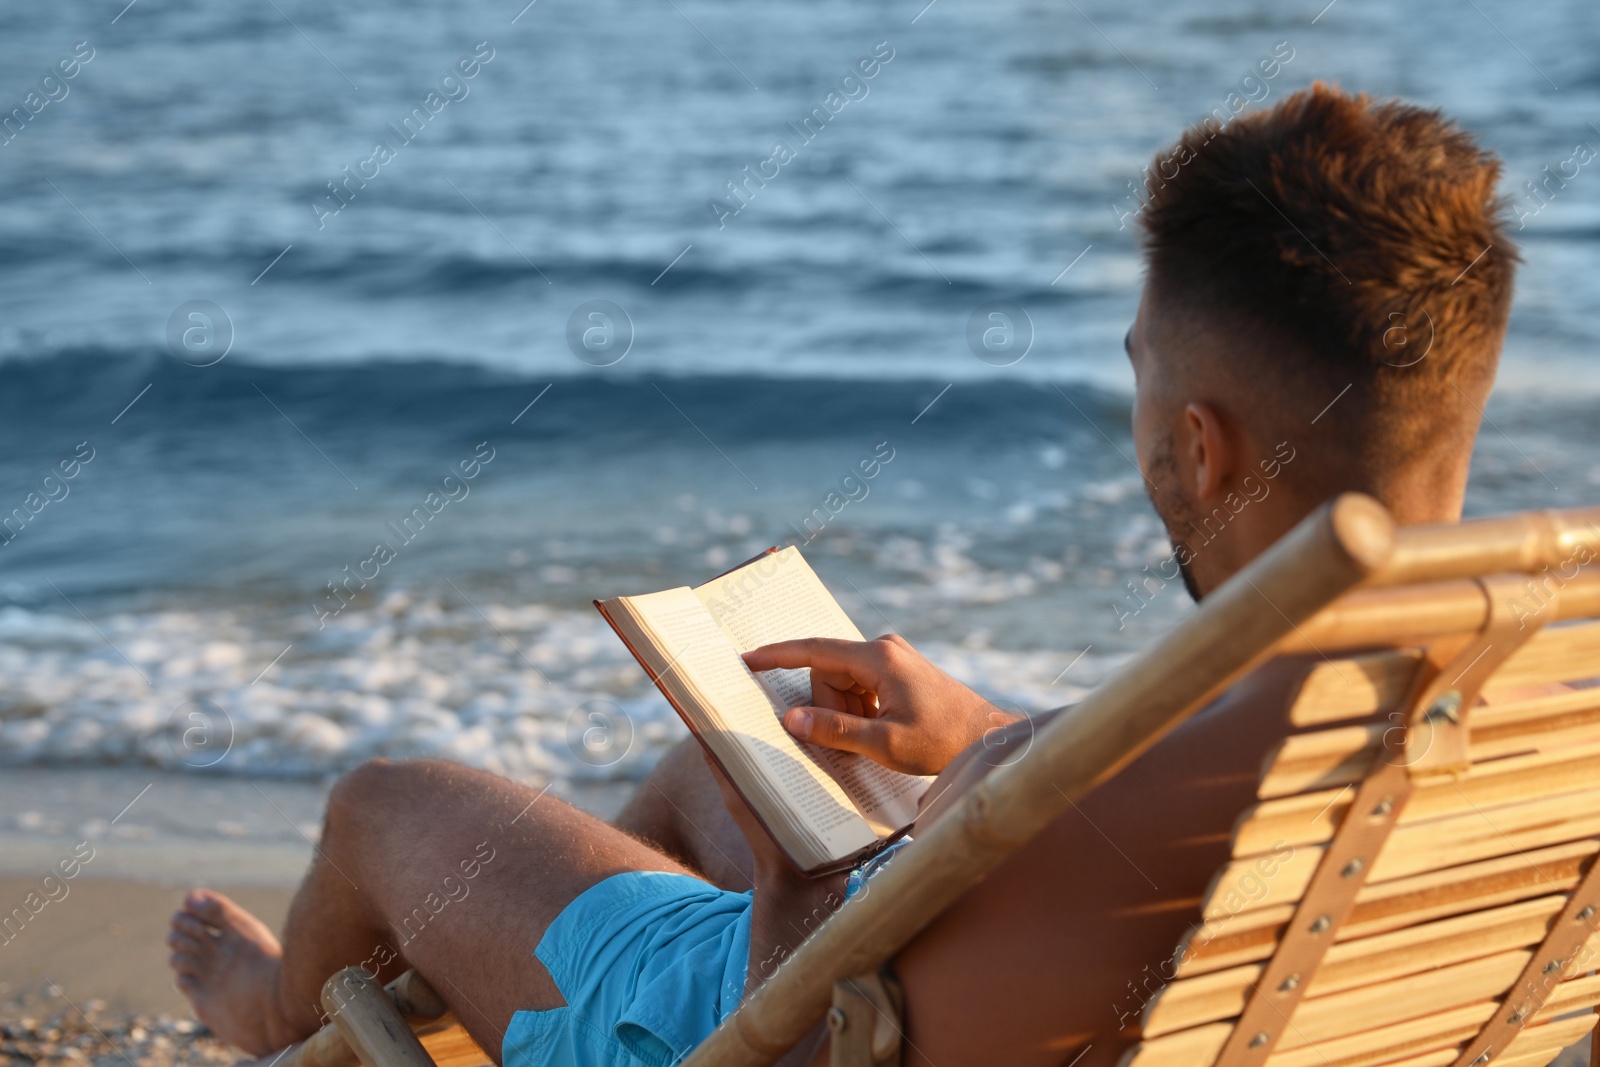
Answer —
(679, 810)
(388, 883)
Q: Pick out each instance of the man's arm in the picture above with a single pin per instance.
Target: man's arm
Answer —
(1000, 746)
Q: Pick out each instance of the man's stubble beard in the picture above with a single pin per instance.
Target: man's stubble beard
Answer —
(1176, 510)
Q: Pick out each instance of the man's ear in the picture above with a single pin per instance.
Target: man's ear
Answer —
(1212, 451)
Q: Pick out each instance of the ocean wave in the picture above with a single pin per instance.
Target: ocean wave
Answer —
(520, 689)
(78, 385)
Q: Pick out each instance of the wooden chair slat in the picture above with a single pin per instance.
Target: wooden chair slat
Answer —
(1380, 1046)
(1412, 1038)
(1364, 961)
(1417, 1040)
(1536, 1046)
(1425, 846)
(1376, 1006)
(1574, 994)
(1312, 818)
(1186, 1048)
(1359, 686)
(1250, 936)
(1321, 759)
(1326, 759)
(1543, 723)
(1353, 688)
(1383, 1003)
(1564, 653)
(454, 1047)
(1442, 1058)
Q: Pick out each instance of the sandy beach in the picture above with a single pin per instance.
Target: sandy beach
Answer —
(84, 979)
(87, 980)
(104, 943)
(97, 860)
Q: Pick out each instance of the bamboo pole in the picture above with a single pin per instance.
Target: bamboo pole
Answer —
(1528, 542)
(1369, 617)
(370, 1023)
(413, 998)
(1235, 628)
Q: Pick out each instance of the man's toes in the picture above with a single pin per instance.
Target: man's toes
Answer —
(207, 906)
(186, 964)
(181, 942)
(187, 925)
(216, 911)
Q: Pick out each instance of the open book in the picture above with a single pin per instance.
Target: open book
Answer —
(824, 808)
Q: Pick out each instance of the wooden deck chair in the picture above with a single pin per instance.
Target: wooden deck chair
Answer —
(406, 1024)
(1417, 897)
(1415, 887)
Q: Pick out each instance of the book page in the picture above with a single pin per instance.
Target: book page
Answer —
(886, 799)
(702, 656)
(778, 597)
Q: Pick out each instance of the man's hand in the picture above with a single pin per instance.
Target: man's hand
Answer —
(769, 859)
(882, 699)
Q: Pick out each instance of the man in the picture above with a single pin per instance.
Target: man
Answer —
(1328, 288)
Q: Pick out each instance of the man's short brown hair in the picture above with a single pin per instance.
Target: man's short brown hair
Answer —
(1344, 237)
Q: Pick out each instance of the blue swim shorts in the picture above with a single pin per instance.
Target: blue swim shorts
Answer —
(648, 962)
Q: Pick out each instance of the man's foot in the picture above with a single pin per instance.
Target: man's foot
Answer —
(227, 963)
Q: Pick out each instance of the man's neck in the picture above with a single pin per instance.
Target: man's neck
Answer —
(1434, 496)
(1426, 495)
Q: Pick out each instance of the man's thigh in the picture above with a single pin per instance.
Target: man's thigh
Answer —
(678, 809)
(468, 870)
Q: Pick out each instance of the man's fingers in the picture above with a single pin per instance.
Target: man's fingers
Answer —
(842, 683)
(859, 660)
(826, 696)
(832, 729)
(853, 705)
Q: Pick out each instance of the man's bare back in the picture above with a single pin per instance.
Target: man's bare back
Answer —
(1064, 944)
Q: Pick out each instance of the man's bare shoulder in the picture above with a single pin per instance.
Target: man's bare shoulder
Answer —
(1064, 944)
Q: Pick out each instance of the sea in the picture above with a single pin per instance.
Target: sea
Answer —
(353, 350)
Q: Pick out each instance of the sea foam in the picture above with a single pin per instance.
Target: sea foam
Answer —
(519, 689)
